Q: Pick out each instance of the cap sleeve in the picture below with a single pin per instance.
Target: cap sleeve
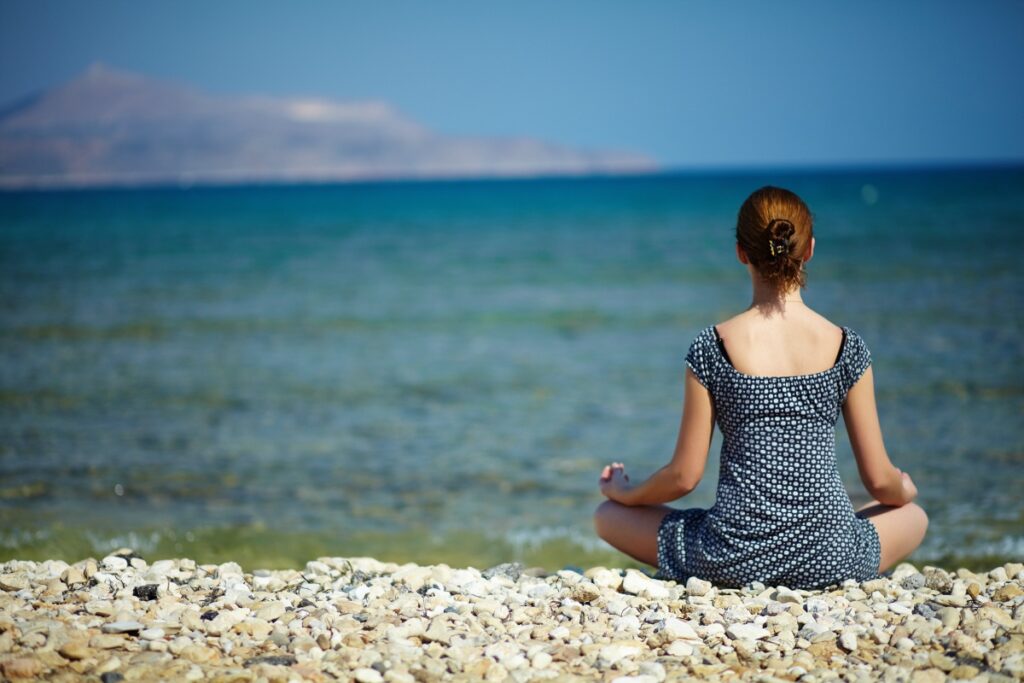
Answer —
(856, 360)
(702, 358)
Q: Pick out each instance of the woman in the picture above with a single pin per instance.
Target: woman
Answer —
(775, 379)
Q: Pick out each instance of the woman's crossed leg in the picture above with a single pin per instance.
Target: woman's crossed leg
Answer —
(900, 529)
(632, 530)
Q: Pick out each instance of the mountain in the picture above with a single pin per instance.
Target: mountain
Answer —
(113, 127)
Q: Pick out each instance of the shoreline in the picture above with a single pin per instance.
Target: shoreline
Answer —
(122, 618)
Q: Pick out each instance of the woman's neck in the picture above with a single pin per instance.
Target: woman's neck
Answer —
(768, 299)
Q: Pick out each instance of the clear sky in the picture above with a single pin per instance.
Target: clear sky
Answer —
(692, 84)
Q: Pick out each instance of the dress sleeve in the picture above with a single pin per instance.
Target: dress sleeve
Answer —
(856, 360)
(701, 359)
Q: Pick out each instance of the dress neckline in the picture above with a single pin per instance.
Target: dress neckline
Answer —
(720, 345)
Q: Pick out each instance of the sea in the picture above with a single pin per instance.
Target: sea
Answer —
(437, 371)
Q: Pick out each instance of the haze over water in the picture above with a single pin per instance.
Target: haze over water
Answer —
(438, 371)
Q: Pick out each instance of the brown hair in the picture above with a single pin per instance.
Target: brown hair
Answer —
(774, 227)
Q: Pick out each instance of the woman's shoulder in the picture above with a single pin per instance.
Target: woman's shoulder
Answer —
(747, 322)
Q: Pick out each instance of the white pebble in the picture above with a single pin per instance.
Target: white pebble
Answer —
(365, 675)
(698, 587)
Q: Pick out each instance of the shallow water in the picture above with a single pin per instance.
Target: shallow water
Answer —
(438, 371)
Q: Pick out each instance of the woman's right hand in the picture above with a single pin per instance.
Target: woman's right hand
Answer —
(909, 489)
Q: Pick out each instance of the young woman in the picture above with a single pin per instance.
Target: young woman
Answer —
(775, 379)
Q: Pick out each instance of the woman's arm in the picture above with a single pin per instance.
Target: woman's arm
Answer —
(885, 482)
(683, 473)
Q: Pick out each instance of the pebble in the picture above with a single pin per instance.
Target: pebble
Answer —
(75, 649)
(636, 583)
(746, 632)
(605, 578)
(365, 675)
(271, 611)
(122, 627)
(620, 650)
(13, 582)
(585, 592)
(365, 620)
(697, 587)
(674, 628)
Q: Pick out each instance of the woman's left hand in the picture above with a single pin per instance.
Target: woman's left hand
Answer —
(614, 481)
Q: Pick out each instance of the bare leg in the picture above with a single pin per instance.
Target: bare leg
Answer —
(632, 530)
(900, 529)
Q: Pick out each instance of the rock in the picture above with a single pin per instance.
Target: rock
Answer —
(746, 632)
(823, 649)
(938, 580)
(146, 592)
(108, 666)
(199, 654)
(677, 629)
(75, 650)
(163, 567)
(697, 587)
(996, 615)
(122, 626)
(927, 676)
(21, 667)
(681, 648)
(604, 578)
(627, 622)
(941, 661)
(949, 616)
(848, 640)
(1007, 593)
(585, 592)
(270, 611)
(365, 675)
(905, 644)
(620, 650)
(72, 576)
(111, 677)
(114, 563)
(541, 660)
(152, 634)
(964, 672)
(273, 660)
(784, 595)
(106, 642)
(13, 582)
(913, 582)
(510, 570)
(412, 576)
(636, 583)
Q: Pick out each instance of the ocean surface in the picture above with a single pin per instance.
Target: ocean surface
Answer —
(437, 371)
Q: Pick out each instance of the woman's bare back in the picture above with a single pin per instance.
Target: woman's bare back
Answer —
(800, 342)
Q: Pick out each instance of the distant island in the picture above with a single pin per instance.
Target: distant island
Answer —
(111, 127)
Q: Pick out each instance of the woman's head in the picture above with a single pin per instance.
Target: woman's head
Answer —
(774, 228)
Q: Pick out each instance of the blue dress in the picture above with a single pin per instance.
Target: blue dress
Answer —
(781, 515)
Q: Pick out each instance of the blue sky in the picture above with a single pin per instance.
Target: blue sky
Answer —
(703, 84)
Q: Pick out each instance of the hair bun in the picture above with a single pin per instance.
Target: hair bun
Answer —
(780, 229)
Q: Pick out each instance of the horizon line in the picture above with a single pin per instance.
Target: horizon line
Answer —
(726, 169)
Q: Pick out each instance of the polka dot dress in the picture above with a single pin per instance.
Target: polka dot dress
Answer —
(781, 514)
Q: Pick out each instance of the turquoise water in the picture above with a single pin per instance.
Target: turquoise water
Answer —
(438, 371)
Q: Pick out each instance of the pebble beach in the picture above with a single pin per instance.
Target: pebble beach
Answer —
(121, 618)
